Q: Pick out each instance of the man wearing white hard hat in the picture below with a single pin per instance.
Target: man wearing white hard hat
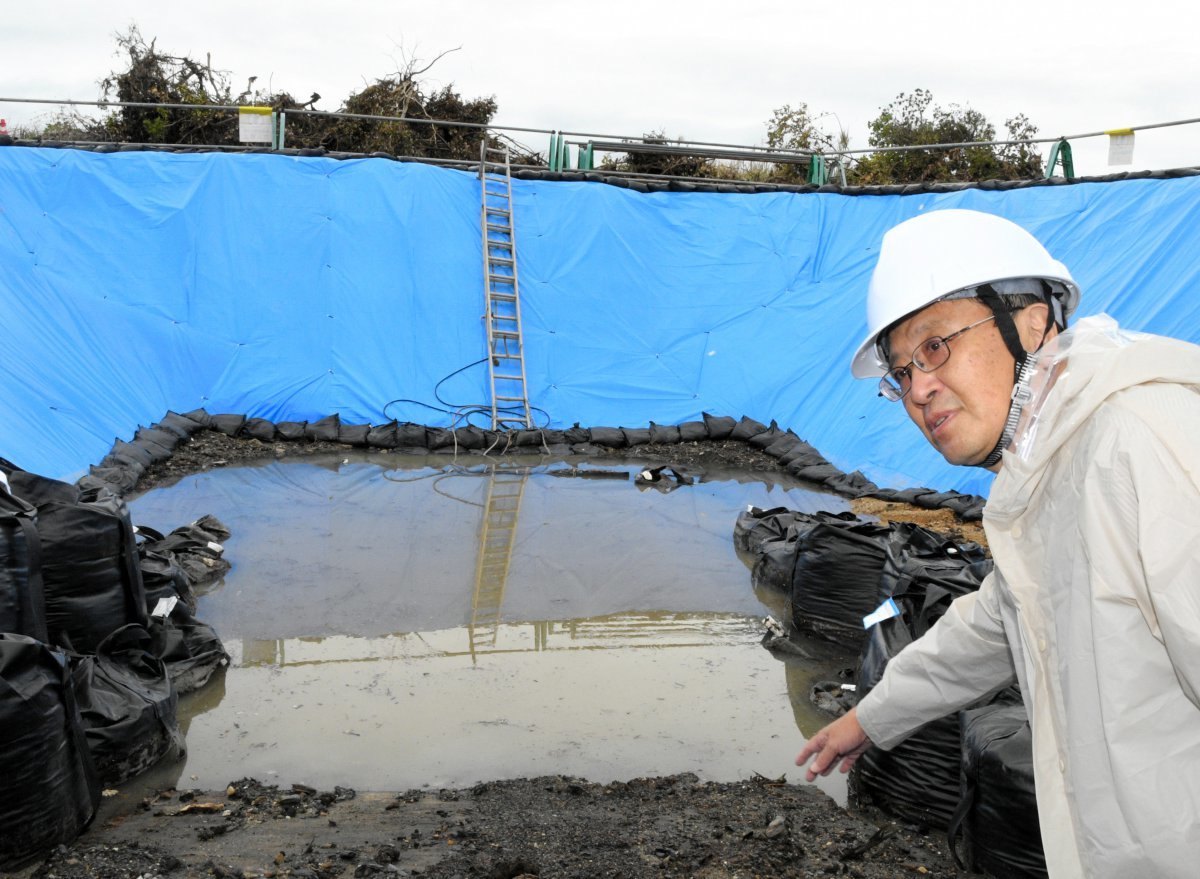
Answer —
(1094, 524)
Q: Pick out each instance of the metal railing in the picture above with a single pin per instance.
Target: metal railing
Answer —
(587, 144)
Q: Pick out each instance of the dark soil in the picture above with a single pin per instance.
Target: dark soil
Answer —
(539, 827)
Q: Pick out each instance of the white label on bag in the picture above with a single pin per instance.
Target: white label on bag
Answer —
(885, 611)
(164, 607)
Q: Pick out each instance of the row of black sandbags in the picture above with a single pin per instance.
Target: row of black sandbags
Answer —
(970, 771)
(89, 673)
(126, 462)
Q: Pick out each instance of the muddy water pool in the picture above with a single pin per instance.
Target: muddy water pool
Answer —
(398, 622)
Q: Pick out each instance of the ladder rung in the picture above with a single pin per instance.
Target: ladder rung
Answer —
(496, 227)
(505, 334)
(501, 356)
(511, 378)
(501, 260)
(510, 280)
(511, 399)
(504, 212)
(504, 297)
(510, 317)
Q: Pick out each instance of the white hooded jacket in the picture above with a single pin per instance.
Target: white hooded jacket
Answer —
(1094, 607)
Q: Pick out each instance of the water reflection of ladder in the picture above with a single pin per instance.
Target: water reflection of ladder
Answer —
(497, 533)
(506, 360)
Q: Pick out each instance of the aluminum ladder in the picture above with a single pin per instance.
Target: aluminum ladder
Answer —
(502, 319)
(497, 534)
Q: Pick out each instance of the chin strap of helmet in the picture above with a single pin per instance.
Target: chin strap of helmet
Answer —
(1024, 364)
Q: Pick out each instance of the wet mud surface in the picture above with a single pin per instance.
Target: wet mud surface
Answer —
(539, 827)
(550, 826)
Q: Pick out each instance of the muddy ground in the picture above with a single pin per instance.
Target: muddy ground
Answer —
(534, 827)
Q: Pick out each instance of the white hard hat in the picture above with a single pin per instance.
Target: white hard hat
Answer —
(937, 254)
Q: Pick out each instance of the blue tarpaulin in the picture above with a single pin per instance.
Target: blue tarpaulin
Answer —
(291, 288)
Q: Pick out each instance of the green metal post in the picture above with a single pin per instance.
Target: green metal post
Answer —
(282, 127)
(555, 151)
(586, 160)
(1061, 153)
(817, 174)
(274, 131)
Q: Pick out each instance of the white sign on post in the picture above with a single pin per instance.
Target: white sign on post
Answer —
(1120, 147)
(254, 125)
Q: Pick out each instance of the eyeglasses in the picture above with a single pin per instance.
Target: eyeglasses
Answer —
(927, 357)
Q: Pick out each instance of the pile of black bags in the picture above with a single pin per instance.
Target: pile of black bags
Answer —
(970, 773)
(91, 661)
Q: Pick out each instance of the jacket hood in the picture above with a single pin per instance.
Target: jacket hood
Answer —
(1076, 372)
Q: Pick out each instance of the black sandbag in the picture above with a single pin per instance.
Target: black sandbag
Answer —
(524, 439)
(353, 434)
(199, 416)
(190, 648)
(127, 705)
(180, 425)
(776, 554)
(260, 429)
(818, 473)
(769, 436)
(746, 428)
(123, 452)
(409, 435)
(22, 601)
(663, 433)
(693, 432)
(968, 507)
(935, 499)
(291, 430)
(474, 438)
(49, 791)
(576, 434)
(636, 436)
(613, 437)
(782, 445)
(851, 484)
(998, 812)
(802, 454)
(439, 438)
(719, 427)
(918, 780)
(121, 479)
(383, 436)
(157, 440)
(835, 582)
(754, 525)
(229, 424)
(773, 563)
(90, 576)
(553, 436)
(196, 548)
(162, 577)
(325, 430)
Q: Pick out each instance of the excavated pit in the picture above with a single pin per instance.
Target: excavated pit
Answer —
(401, 622)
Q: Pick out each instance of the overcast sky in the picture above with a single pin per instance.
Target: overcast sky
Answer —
(703, 70)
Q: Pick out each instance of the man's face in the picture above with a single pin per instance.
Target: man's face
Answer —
(961, 406)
